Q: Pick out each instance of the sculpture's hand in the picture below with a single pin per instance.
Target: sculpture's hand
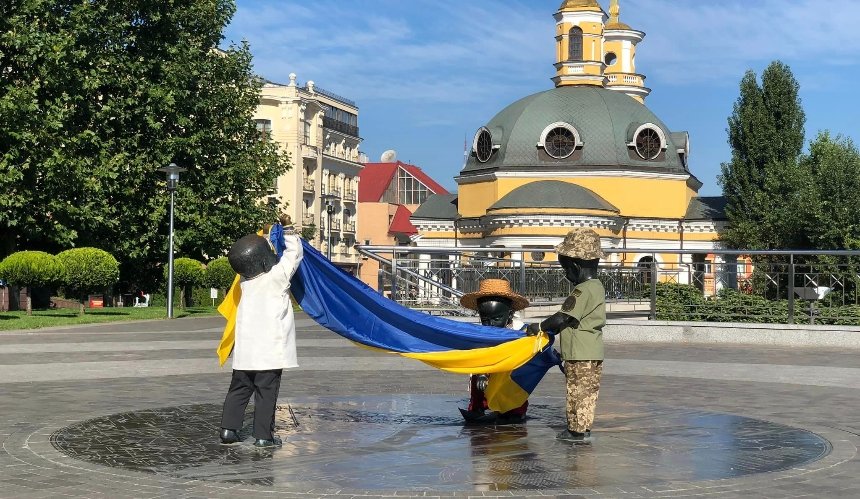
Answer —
(533, 329)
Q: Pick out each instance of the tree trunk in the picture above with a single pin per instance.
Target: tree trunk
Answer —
(81, 311)
(181, 297)
(29, 301)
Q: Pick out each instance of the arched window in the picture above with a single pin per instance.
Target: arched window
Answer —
(575, 44)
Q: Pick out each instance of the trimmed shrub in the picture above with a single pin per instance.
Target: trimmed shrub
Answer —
(28, 269)
(187, 273)
(88, 270)
(679, 302)
(219, 274)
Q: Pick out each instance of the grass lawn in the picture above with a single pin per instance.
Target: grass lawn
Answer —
(69, 317)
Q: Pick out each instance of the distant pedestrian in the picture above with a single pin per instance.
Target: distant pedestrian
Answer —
(265, 334)
(579, 325)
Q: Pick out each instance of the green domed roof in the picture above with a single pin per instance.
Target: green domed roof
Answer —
(553, 194)
(605, 120)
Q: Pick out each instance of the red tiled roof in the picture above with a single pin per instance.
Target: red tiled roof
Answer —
(373, 180)
(400, 223)
(376, 177)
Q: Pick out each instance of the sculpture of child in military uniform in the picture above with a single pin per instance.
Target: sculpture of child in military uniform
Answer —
(496, 304)
(579, 324)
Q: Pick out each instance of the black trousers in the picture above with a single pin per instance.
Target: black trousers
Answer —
(264, 385)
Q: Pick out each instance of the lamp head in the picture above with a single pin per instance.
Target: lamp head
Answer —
(173, 172)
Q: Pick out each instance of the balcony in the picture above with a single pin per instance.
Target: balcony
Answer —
(308, 185)
(335, 225)
(308, 219)
(625, 79)
(332, 192)
(309, 152)
(349, 195)
(349, 227)
(339, 126)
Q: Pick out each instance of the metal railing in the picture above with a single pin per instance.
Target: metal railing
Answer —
(818, 287)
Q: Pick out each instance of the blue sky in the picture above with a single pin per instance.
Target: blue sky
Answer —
(426, 73)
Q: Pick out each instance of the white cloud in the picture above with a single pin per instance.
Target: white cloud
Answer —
(455, 53)
(696, 41)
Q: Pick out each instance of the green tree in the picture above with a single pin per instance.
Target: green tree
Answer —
(835, 166)
(29, 269)
(87, 270)
(95, 97)
(767, 190)
(219, 274)
(187, 272)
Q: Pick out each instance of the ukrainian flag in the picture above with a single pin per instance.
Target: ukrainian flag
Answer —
(343, 304)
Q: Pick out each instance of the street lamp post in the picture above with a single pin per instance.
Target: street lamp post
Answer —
(329, 209)
(172, 182)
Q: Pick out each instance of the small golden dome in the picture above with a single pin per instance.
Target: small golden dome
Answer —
(618, 25)
(572, 5)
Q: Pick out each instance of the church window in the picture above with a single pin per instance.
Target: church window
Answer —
(483, 145)
(575, 44)
(560, 143)
(648, 143)
(560, 140)
(610, 59)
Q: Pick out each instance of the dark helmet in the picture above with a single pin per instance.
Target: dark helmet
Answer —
(251, 256)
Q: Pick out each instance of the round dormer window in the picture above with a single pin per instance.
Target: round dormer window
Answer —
(483, 145)
(610, 59)
(648, 143)
(560, 140)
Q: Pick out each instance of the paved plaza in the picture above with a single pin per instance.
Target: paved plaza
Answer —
(132, 410)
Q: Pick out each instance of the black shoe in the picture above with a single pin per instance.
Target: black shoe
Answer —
(511, 419)
(229, 437)
(574, 436)
(479, 417)
(262, 443)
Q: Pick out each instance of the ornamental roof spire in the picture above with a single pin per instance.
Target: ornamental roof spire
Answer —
(614, 13)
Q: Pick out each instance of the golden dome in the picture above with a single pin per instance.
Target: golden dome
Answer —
(572, 5)
(618, 25)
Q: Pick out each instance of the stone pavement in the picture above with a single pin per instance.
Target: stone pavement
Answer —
(81, 410)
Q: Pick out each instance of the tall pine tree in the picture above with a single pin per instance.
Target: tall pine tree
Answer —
(768, 191)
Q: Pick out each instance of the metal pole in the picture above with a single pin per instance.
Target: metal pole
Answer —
(328, 237)
(170, 264)
(523, 273)
(791, 289)
(654, 287)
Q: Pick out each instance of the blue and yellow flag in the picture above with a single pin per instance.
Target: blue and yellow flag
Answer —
(345, 305)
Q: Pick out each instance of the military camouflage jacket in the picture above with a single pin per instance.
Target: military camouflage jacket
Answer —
(587, 304)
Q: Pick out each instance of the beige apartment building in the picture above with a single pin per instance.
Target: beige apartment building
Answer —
(319, 131)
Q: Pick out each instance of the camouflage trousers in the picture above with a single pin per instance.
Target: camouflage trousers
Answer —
(583, 386)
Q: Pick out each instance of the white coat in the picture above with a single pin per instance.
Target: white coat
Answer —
(265, 324)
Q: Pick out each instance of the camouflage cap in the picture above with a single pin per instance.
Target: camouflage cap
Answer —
(581, 243)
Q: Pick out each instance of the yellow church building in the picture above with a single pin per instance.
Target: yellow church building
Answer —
(587, 153)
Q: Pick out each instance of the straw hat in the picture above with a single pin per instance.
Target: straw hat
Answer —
(581, 243)
(494, 287)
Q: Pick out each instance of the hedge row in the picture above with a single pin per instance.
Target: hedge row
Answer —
(83, 271)
(684, 302)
